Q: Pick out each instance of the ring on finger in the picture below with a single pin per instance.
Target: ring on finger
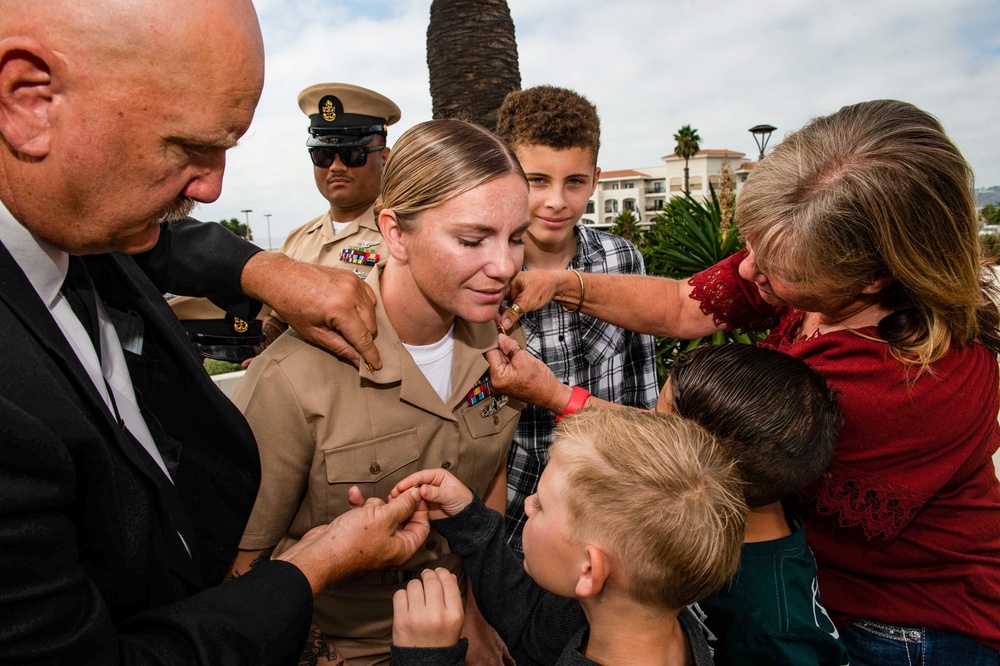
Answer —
(516, 309)
(510, 354)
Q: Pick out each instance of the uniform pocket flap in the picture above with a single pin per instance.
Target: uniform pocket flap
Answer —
(371, 461)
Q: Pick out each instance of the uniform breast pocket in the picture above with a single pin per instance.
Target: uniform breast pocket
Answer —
(374, 466)
(491, 436)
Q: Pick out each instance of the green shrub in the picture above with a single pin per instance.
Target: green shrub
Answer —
(687, 238)
(214, 367)
(991, 245)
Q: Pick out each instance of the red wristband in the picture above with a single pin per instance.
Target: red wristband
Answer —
(576, 402)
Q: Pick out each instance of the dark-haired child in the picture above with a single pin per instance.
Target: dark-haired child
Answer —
(777, 418)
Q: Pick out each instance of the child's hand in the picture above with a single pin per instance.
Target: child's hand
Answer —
(429, 612)
(354, 497)
(445, 495)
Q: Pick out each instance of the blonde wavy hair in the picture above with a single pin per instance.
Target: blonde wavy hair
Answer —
(659, 494)
(877, 190)
(438, 160)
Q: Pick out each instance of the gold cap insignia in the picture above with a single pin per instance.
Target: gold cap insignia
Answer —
(239, 325)
(328, 111)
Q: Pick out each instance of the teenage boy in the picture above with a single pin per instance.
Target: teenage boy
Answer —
(636, 516)
(777, 419)
(556, 135)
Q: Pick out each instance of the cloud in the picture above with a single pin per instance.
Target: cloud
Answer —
(649, 66)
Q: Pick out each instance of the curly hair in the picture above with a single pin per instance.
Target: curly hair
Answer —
(549, 116)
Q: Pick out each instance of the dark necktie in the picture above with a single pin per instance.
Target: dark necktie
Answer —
(79, 290)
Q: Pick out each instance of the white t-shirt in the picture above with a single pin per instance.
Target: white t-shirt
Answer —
(434, 360)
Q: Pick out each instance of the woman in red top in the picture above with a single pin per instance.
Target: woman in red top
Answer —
(863, 259)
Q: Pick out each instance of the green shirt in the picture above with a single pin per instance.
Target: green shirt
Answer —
(770, 612)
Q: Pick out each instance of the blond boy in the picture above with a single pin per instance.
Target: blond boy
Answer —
(636, 516)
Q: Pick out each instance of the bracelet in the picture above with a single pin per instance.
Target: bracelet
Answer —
(576, 402)
(582, 292)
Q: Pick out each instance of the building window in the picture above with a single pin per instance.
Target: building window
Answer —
(630, 204)
(676, 184)
(658, 187)
(658, 204)
(628, 186)
(590, 207)
(695, 182)
(611, 206)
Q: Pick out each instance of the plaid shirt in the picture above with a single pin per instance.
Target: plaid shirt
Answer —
(610, 362)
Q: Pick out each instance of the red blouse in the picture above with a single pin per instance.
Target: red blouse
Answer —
(905, 524)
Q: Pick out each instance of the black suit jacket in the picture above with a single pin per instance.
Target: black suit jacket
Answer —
(91, 568)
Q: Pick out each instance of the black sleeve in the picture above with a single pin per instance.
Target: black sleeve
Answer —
(446, 656)
(193, 258)
(51, 610)
(535, 624)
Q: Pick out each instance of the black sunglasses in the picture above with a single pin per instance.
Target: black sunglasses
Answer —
(351, 156)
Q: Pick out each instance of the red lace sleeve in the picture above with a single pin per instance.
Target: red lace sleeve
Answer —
(882, 508)
(730, 299)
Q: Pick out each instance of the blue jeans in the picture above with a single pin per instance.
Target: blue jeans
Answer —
(875, 644)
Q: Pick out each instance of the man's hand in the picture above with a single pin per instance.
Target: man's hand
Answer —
(330, 307)
(444, 494)
(374, 536)
(515, 372)
(429, 612)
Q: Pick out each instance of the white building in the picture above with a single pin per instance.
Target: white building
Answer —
(645, 190)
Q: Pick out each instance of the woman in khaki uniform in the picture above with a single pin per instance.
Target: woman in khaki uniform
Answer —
(452, 213)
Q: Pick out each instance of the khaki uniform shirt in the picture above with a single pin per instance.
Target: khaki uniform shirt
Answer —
(316, 242)
(323, 425)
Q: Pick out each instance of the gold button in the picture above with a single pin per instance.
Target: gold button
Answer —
(327, 248)
(375, 468)
(446, 464)
(496, 420)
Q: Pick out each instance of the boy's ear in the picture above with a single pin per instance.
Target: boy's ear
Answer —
(392, 234)
(27, 94)
(593, 573)
(597, 176)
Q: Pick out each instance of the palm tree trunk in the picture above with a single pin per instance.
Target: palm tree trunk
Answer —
(687, 188)
(472, 58)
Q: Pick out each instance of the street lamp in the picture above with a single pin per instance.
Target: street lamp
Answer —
(247, 211)
(267, 216)
(761, 134)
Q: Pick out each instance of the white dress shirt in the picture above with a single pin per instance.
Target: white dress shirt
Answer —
(45, 267)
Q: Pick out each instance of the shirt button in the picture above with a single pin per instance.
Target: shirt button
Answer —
(327, 248)
(375, 468)
(446, 464)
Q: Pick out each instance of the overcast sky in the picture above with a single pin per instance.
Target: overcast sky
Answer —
(650, 66)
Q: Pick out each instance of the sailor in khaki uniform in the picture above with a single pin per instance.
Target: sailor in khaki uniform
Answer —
(347, 145)
(453, 213)
(323, 426)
